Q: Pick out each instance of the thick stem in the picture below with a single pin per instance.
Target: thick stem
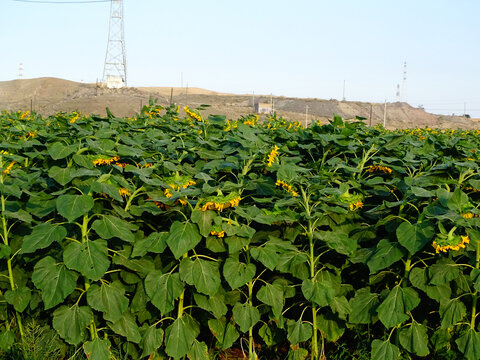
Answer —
(182, 297)
(85, 228)
(475, 294)
(408, 267)
(252, 355)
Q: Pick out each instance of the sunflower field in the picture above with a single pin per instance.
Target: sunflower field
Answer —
(186, 237)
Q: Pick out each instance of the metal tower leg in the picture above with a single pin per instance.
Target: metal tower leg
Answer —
(115, 69)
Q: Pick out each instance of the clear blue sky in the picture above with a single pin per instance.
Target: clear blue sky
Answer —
(304, 48)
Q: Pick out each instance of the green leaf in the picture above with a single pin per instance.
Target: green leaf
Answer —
(7, 339)
(179, 337)
(245, 315)
(385, 255)
(5, 251)
(198, 351)
(238, 274)
(443, 271)
(154, 243)
(320, 292)
(226, 333)
(55, 281)
(98, 349)
(364, 306)
(203, 274)
(19, 298)
(59, 151)
(182, 238)
(163, 289)
(330, 326)
(71, 322)
(415, 339)
(110, 226)
(109, 299)
(109, 189)
(415, 237)
(457, 201)
(297, 353)
(21, 215)
(273, 296)
(469, 344)
(89, 258)
(127, 326)
(42, 236)
(214, 304)
(338, 240)
(384, 350)
(451, 312)
(393, 310)
(61, 175)
(298, 331)
(340, 305)
(204, 220)
(72, 207)
(151, 340)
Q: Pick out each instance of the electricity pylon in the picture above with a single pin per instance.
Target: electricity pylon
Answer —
(115, 69)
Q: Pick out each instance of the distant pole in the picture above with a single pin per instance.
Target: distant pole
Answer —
(385, 113)
(186, 95)
(181, 84)
(171, 96)
(31, 104)
(20, 71)
(141, 105)
(306, 115)
(404, 83)
(343, 99)
(271, 101)
(253, 101)
(464, 109)
(371, 111)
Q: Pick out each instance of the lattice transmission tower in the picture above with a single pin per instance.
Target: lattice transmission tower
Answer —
(115, 69)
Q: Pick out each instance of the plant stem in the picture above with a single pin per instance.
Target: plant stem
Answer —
(408, 267)
(475, 294)
(314, 307)
(251, 350)
(182, 296)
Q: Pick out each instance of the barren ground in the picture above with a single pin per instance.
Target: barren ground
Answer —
(51, 95)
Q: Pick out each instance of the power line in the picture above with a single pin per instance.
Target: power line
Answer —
(62, 2)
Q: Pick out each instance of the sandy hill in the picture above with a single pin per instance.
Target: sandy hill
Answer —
(51, 95)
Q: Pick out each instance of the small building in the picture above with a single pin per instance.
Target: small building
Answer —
(264, 108)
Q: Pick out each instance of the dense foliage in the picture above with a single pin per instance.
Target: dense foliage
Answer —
(170, 236)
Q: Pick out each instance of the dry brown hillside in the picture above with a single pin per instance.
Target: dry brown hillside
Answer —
(51, 95)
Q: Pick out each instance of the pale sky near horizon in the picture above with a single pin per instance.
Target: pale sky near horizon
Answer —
(304, 48)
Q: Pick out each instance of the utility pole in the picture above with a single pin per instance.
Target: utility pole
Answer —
(404, 83)
(253, 100)
(464, 109)
(343, 99)
(115, 68)
(20, 71)
(371, 110)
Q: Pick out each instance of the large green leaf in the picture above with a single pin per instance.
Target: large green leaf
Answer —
(98, 349)
(19, 298)
(399, 301)
(415, 339)
(272, 295)
(179, 337)
(198, 351)
(60, 151)
(42, 236)
(415, 237)
(89, 258)
(127, 326)
(469, 344)
(245, 315)
(71, 322)
(54, 280)
(154, 243)
(339, 240)
(385, 255)
(151, 340)
(110, 226)
(320, 292)
(341, 306)
(364, 305)
(182, 238)
(298, 331)
(214, 304)
(163, 289)
(109, 299)
(226, 333)
(237, 273)
(61, 175)
(204, 221)
(384, 350)
(72, 207)
(443, 271)
(7, 339)
(451, 312)
(203, 274)
(331, 326)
